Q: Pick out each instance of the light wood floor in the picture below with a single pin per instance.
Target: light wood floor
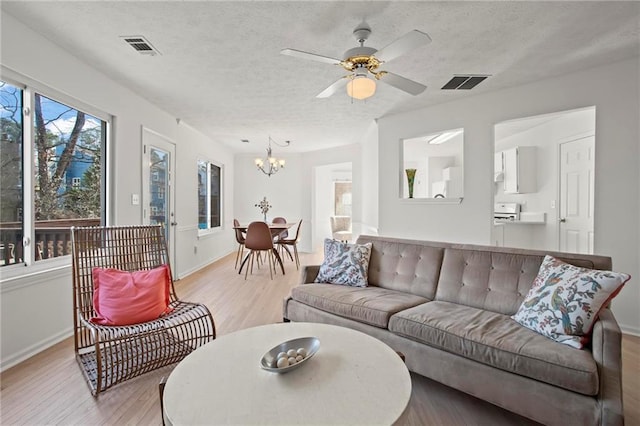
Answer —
(49, 387)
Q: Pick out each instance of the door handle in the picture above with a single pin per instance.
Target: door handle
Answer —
(173, 223)
(562, 220)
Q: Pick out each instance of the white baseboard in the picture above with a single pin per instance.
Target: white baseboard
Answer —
(202, 265)
(627, 329)
(32, 350)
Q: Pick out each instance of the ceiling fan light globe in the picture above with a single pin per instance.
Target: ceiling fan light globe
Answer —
(361, 88)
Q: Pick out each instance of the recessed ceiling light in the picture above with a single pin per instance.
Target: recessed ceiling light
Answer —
(443, 137)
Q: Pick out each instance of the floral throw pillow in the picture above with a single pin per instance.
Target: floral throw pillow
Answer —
(345, 264)
(565, 300)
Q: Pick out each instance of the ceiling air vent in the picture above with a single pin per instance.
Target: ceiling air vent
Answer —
(141, 45)
(464, 82)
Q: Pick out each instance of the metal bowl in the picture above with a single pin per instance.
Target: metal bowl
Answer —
(268, 361)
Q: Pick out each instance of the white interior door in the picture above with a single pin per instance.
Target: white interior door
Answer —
(158, 196)
(576, 195)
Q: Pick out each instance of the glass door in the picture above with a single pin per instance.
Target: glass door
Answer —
(158, 198)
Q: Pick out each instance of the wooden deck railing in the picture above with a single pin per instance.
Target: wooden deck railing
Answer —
(52, 239)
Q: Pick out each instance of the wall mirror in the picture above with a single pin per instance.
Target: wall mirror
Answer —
(544, 181)
(432, 166)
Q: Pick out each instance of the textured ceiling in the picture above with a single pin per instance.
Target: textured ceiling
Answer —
(221, 72)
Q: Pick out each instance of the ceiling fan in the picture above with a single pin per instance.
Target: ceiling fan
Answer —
(364, 62)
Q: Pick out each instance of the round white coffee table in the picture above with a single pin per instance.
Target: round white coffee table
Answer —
(352, 379)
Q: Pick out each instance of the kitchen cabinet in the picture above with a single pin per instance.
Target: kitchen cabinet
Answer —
(519, 170)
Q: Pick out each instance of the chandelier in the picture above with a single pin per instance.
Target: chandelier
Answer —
(271, 165)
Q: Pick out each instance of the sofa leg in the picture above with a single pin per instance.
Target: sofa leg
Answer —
(285, 319)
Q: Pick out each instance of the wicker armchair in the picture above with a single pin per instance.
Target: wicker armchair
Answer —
(109, 355)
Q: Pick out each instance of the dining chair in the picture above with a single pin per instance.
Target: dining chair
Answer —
(341, 228)
(292, 242)
(282, 235)
(285, 233)
(257, 240)
(240, 239)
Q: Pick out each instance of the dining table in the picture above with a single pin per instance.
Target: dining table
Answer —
(276, 229)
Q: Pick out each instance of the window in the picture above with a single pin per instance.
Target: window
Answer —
(342, 198)
(58, 180)
(11, 176)
(209, 195)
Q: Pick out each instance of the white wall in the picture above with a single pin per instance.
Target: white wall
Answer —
(466, 222)
(36, 308)
(283, 190)
(193, 252)
(617, 213)
(369, 184)
(322, 199)
(291, 191)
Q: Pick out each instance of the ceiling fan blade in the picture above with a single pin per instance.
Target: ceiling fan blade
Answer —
(333, 88)
(412, 87)
(411, 40)
(312, 56)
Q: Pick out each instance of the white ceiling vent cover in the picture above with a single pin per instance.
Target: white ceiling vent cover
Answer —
(141, 45)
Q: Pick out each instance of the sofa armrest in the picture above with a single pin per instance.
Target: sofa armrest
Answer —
(606, 343)
(309, 273)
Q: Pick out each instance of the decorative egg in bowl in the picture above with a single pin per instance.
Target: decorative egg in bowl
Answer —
(289, 355)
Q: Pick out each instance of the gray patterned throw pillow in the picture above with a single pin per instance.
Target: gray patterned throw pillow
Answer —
(345, 264)
(564, 300)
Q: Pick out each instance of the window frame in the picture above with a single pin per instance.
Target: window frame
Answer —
(209, 229)
(29, 87)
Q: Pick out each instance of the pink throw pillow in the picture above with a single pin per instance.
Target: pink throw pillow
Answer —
(124, 298)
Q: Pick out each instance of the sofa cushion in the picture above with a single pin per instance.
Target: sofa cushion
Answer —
(404, 265)
(565, 300)
(498, 341)
(496, 279)
(371, 305)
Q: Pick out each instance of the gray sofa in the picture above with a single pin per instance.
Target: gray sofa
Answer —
(447, 307)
